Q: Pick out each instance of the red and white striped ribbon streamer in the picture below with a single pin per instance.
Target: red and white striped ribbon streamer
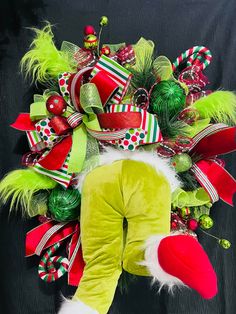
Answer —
(73, 256)
(47, 236)
(107, 135)
(205, 182)
(211, 129)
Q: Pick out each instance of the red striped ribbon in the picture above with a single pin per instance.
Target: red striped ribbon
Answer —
(214, 140)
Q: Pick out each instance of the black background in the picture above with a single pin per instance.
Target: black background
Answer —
(174, 25)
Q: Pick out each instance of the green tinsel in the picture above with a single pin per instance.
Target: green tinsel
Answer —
(167, 101)
(64, 205)
(143, 77)
(188, 180)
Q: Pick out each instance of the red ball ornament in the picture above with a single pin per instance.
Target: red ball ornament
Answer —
(89, 30)
(192, 224)
(105, 51)
(56, 105)
(174, 225)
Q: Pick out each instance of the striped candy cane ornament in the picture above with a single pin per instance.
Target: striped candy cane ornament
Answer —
(47, 270)
(197, 55)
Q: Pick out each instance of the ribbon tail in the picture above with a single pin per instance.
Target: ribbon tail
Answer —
(215, 180)
(76, 265)
(38, 110)
(78, 150)
(46, 235)
(23, 123)
(215, 140)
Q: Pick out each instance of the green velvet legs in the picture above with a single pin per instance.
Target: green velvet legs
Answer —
(124, 189)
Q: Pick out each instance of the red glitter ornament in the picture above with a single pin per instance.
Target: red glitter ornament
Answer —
(174, 225)
(56, 105)
(89, 30)
(105, 51)
(192, 224)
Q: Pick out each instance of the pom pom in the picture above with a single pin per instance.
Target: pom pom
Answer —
(22, 185)
(56, 105)
(64, 205)
(43, 62)
(219, 106)
(89, 30)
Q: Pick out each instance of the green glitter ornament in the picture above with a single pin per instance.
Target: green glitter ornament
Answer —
(181, 162)
(64, 205)
(167, 97)
(224, 243)
(103, 21)
(205, 222)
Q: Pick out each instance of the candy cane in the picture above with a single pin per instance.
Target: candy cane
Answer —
(47, 270)
(197, 55)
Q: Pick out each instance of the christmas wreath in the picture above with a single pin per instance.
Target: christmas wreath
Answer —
(123, 165)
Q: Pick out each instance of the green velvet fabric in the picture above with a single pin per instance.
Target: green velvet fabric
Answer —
(124, 189)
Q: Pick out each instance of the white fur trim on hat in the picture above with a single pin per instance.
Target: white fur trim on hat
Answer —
(160, 164)
(75, 307)
(155, 269)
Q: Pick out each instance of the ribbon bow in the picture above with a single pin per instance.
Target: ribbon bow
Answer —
(49, 235)
(214, 140)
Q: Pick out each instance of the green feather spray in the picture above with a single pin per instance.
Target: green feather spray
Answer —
(21, 186)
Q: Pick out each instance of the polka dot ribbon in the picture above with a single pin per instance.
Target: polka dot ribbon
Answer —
(197, 55)
(46, 270)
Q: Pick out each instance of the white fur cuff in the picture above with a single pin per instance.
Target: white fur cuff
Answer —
(75, 307)
(161, 165)
(152, 263)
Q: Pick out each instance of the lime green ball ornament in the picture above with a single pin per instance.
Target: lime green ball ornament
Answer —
(205, 222)
(90, 42)
(64, 205)
(185, 212)
(224, 243)
(181, 162)
(167, 97)
(103, 21)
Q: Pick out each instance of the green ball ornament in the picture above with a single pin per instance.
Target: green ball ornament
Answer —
(64, 205)
(90, 42)
(205, 222)
(167, 96)
(103, 21)
(224, 243)
(185, 212)
(181, 162)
